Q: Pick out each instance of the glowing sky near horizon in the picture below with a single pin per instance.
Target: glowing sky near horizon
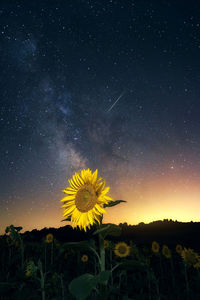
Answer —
(111, 85)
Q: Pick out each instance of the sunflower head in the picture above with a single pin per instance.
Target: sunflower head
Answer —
(84, 258)
(197, 264)
(179, 249)
(155, 247)
(122, 249)
(166, 251)
(30, 269)
(49, 238)
(190, 257)
(86, 196)
(106, 244)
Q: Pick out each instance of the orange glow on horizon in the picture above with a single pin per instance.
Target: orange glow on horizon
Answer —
(167, 197)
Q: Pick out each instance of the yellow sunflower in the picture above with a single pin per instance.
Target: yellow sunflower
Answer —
(179, 249)
(190, 257)
(155, 247)
(166, 251)
(85, 200)
(122, 249)
(84, 258)
(49, 238)
(197, 265)
(30, 269)
(106, 244)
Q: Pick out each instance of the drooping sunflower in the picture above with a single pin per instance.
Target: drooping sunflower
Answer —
(190, 257)
(155, 247)
(179, 249)
(85, 200)
(122, 249)
(166, 251)
(49, 238)
(84, 258)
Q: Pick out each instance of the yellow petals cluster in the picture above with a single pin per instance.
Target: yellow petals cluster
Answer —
(84, 258)
(49, 238)
(106, 244)
(179, 249)
(86, 196)
(122, 249)
(191, 258)
(30, 269)
(166, 251)
(155, 247)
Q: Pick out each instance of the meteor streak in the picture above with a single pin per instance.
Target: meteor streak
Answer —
(122, 94)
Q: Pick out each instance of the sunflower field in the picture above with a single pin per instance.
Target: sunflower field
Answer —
(103, 266)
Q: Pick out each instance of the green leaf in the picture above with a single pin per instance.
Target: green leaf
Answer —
(67, 219)
(103, 277)
(82, 286)
(109, 229)
(18, 228)
(102, 229)
(83, 245)
(113, 203)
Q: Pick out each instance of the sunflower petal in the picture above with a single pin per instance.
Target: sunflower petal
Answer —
(73, 185)
(94, 177)
(71, 197)
(100, 209)
(69, 203)
(79, 179)
(66, 191)
(68, 211)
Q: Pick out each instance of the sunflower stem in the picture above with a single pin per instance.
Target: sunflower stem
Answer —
(186, 281)
(103, 292)
(45, 258)
(51, 253)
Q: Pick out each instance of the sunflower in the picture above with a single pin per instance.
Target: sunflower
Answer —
(179, 249)
(155, 247)
(84, 258)
(190, 257)
(166, 251)
(86, 198)
(122, 249)
(30, 269)
(197, 265)
(106, 244)
(49, 238)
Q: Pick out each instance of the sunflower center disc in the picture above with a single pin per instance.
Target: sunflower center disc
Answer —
(122, 249)
(85, 198)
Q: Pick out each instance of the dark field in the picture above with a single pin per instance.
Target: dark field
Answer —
(36, 265)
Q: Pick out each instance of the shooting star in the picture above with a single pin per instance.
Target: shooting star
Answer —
(122, 94)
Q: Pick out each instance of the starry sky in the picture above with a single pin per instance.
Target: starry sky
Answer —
(110, 85)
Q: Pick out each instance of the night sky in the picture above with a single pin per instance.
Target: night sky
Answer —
(107, 85)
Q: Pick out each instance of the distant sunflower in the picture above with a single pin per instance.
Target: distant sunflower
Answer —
(84, 258)
(49, 238)
(197, 264)
(106, 244)
(166, 251)
(122, 249)
(179, 249)
(85, 200)
(190, 257)
(155, 247)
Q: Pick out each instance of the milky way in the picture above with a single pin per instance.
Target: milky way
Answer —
(64, 65)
